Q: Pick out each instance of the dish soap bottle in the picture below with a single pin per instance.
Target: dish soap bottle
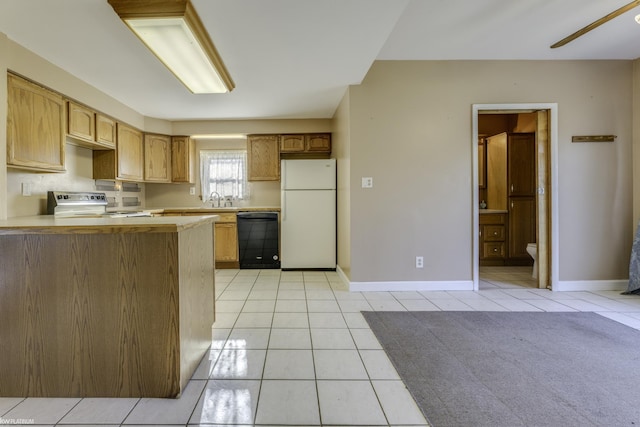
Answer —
(483, 205)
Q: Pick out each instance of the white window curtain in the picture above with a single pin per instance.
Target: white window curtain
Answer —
(224, 172)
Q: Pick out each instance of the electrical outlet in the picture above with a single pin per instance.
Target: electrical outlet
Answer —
(367, 182)
(192, 191)
(419, 262)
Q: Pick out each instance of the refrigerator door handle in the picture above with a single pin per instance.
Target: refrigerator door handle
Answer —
(283, 174)
(283, 209)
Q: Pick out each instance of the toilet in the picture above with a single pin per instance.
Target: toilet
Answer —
(532, 249)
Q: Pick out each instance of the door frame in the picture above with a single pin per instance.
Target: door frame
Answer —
(550, 193)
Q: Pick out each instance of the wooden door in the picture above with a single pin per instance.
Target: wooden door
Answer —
(522, 225)
(226, 242)
(105, 131)
(35, 127)
(543, 210)
(521, 164)
(81, 122)
(157, 158)
(496, 184)
(318, 142)
(292, 143)
(182, 159)
(263, 158)
(130, 153)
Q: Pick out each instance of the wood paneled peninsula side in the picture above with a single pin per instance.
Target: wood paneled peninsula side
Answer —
(104, 307)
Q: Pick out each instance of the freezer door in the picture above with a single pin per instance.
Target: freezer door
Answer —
(308, 174)
(308, 229)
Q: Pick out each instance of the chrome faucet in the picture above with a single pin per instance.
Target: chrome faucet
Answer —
(211, 199)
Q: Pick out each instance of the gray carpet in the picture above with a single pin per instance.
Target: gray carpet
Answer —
(515, 369)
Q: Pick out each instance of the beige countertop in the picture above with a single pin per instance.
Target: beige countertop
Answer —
(48, 224)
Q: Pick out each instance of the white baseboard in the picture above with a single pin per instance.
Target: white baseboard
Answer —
(590, 285)
(411, 286)
(404, 286)
(342, 275)
(467, 285)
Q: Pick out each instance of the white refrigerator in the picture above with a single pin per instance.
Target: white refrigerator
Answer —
(308, 216)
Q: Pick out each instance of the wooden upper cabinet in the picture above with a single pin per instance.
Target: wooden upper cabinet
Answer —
(183, 156)
(312, 143)
(81, 122)
(318, 142)
(157, 158)
(292, 143)
(89, 129)
(130, 153)
(263, 156)
(105, 131)
(35, 127)
(126, 162)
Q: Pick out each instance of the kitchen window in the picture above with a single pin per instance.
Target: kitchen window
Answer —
(224, 172)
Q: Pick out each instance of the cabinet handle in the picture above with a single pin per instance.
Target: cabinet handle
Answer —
(495, 233)
(495, 249)
(512, 188)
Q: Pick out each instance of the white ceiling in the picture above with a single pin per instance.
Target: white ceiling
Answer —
(295, 58)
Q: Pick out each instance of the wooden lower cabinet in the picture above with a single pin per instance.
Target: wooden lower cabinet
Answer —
(129, 314)
(226, 241)
(522, 229)
(225, 238)
(493, 238)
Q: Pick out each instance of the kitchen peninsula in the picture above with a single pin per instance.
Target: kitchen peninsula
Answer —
(108, 307)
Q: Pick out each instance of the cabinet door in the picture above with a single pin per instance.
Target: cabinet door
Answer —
(182, 159)
(226, 242)
(105, 131)
(318, 142)
(522, 225)
(263, 156)
(291, 143)
(521, 164)
(157, 158)
(130, 153)
(81, 122)
(35, 127)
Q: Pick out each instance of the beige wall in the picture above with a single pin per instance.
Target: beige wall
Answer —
(4, 54)
(636, 144)
(342, 152)
(410, 129)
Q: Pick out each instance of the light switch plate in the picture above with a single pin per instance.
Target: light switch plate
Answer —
(26, 188)
(192, 191)
(367, 182)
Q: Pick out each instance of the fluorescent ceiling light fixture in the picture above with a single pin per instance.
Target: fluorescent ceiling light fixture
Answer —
(172, 30)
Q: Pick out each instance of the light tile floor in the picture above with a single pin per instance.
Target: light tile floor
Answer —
(292, 348)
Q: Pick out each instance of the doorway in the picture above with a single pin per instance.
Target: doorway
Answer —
(541, 201)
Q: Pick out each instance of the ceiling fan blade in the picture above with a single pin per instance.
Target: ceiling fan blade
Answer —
(596, 24)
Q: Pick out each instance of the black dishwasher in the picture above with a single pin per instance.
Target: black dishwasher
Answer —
(258, 240)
